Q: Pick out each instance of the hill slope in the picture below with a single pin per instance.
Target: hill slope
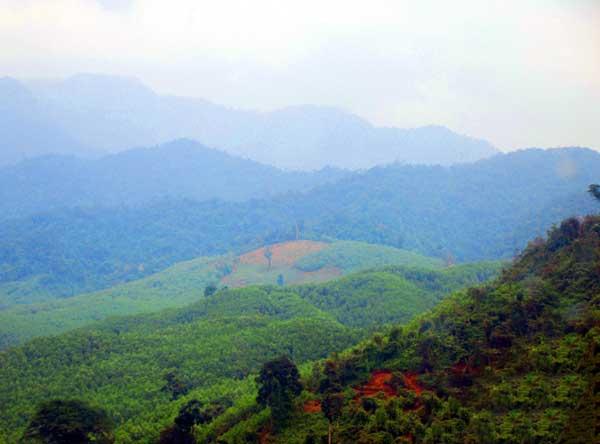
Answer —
(208, 346)
(26, 312)
(114, 113)
(486, 210)
(27, 128)
(515, 361)
(181, 169)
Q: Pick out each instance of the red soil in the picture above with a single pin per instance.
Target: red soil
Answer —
(321, 275)
(285, 253)
(411, 383)
(312, 406)
(264, 435)
(379, 382)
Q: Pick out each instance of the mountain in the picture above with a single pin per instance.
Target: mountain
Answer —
(514, 361)
(180, 169)
(482, 211)
(27, 129)
(108, 113)
(31, 309)
(142, 368)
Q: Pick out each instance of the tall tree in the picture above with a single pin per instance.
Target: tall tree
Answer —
(278, 385)
(333, 399)
(69, 422)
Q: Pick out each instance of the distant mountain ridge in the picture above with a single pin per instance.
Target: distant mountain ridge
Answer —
(26, 128)
(181, 169)
(108, 113)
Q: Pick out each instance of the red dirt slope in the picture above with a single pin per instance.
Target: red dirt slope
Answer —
(312, 406)
(285, 253)
(379, 382)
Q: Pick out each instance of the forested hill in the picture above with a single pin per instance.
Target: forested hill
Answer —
(517, 361)
(142, 368)
(29, 309)
(485, 210)
(179, 169)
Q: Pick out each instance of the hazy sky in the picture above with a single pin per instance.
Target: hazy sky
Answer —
(518, 73)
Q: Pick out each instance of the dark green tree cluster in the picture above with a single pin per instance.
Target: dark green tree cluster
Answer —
(69, 422)
(193, 413)
(278, 386)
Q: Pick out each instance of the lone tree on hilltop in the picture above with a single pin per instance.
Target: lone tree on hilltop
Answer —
(594, 190)
(72, 422)
(209, 290)
(269, 255)
(278, 385)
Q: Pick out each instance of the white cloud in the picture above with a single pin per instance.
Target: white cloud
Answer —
(519, 73)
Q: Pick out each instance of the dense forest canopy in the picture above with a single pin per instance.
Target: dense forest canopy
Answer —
(141, 369)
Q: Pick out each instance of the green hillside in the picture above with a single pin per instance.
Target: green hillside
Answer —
(122, 364)
(515, 361)
(184, 283)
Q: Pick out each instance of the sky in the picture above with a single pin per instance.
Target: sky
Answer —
(518, 73)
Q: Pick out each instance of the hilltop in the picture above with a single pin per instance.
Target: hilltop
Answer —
(28, 311)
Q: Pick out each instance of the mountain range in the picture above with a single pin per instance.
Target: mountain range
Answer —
(485, 210)
(87, 114)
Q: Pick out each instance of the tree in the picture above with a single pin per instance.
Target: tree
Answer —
(333, 400)
(69, 422)
(332, 405)
(278, 385)
(174, 385)
(269, 255)
(209, 290)
(280, 280)
(190, 414)
(594, 190)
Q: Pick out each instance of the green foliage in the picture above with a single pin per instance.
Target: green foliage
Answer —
(515, 361)
(209, 290)
(278, 385)
(372, 298)
(72, 422)
(176, 287)
(354, 256)
(210, 348)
